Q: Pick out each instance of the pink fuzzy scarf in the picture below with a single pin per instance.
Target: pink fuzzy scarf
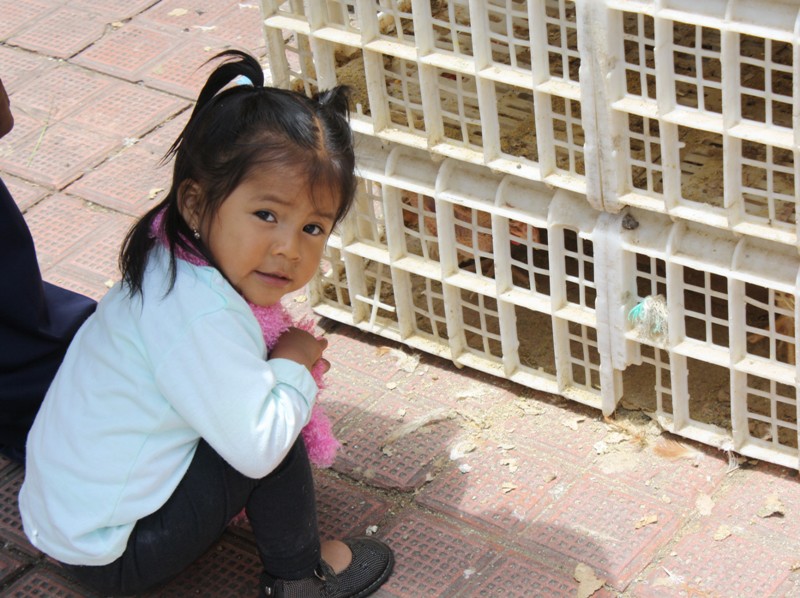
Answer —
(274, 321)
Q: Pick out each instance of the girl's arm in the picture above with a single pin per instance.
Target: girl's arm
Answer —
(249, 410)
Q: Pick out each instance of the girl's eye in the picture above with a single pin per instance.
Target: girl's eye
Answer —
(314, 229)
(265, 216)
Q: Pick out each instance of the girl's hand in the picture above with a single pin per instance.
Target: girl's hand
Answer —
(300, 346)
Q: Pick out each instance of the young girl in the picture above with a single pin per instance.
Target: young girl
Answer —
(167, 417)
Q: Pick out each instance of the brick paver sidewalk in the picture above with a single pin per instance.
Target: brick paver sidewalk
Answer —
(482, 487)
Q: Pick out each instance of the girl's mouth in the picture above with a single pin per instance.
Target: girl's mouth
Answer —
(275, 278)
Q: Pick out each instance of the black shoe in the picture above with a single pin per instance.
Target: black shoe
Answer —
(371, 566)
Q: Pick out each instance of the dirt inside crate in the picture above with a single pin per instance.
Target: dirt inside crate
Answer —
(521, 140)
(764, 94)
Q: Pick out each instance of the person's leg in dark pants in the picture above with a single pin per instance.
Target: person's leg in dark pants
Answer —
(283, 515)
(281, 508)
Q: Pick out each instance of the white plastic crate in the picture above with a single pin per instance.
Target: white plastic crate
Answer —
(675, 106)
(494, 82)
(696, 104)
(724, 370)
(456, 260)
(526, 282)
(549, 166)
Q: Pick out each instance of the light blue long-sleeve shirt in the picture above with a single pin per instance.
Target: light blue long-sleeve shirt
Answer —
(141, 383)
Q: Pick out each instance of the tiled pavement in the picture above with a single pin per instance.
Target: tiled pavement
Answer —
(504, 492)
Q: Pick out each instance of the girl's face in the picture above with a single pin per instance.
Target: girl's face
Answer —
(269, 234)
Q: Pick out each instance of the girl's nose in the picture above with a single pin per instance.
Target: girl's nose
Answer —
(287, 244)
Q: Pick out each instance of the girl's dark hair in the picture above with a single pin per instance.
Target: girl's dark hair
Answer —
(232, 131)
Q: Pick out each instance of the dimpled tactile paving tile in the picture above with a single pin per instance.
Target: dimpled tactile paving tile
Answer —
(96, 258)
(18, 14)
(363, 355)
(516, 576)
(63, 89)
(131, 181)
(569, 429)
(461, 389)
(344, 510)
(186, 15)
(127, 111)
(59, 223)
(115, 10)
(758, 492)
(499, 490)
(699, 565)
(6, 463)
(57, 155)
(229, 569)
(162, 138)
(62, 33)
(343, 394)
(612, 530)
(790, 588)
(9, 565)
(679, 480)
(10, 522)
(20, 66)
(337, 408)
(371, 453)
(242, 27)
(14, 143)
(183, 70)
(25, 194)
(127, 51)
(46, 581)
(431, 556)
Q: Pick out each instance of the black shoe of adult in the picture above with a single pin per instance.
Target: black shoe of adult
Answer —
(371, 565)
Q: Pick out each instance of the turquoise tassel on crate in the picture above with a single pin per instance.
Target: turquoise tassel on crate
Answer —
(650, 318)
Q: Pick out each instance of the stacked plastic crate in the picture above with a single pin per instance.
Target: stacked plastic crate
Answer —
(535, 172)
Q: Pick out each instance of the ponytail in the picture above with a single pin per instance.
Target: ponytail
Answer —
(336, 99)
(235, 64)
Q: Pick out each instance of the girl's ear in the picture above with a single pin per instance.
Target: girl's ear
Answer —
(189, 203)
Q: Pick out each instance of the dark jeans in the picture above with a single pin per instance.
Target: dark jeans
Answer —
(281, 508)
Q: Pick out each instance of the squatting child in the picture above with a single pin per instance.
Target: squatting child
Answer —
(169, 415)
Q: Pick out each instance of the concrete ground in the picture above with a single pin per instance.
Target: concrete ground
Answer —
(482, 487)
